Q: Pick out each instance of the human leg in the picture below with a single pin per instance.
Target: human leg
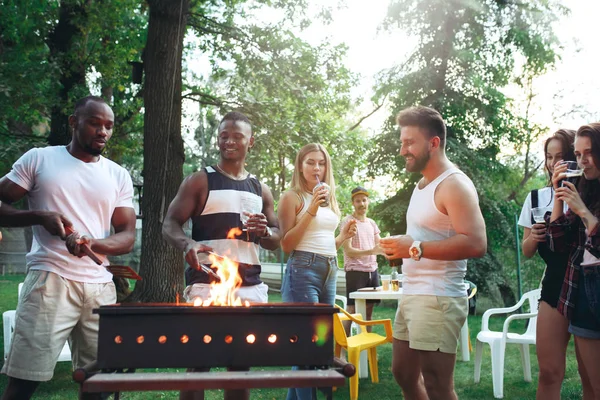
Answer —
(588, 352)
(84, 337)
(406, 366)
(305, 281)
(552, 338)
(406, 369)
(438, 373)
(42, 325)
(433, 325)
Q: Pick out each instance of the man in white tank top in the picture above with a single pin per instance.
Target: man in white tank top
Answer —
(444, 229)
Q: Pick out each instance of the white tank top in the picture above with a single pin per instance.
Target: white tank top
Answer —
(426, 223)
(319, 236)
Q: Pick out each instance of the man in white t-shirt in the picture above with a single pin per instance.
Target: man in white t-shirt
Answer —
(444, 228)
(73, 186)
(360, 253)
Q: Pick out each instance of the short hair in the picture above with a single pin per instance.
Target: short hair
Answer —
(426, 118)
(81, 103)
(236, 116)
(359, 190)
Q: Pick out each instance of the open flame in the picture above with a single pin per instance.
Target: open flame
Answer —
(224, 292)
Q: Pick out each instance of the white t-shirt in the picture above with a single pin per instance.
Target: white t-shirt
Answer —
(86, 193)
(545, 199)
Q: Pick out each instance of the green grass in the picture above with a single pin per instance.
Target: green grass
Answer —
(62, 386)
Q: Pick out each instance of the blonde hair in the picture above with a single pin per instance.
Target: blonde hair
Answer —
(299, 184)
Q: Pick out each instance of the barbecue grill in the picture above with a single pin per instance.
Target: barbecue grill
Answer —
(184, 336)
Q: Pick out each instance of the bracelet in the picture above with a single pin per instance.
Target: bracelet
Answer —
(313, 215)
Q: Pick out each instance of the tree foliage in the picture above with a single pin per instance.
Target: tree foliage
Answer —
(467, 52)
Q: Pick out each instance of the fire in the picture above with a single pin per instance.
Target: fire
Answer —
(224, 292)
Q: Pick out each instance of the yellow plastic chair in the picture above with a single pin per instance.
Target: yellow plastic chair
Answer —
(363, 341)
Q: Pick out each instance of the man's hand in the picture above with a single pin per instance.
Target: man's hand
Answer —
(396, 246)
(75, 244)
(191, 253)
(54, 223)
(257, 223)
(349, 230)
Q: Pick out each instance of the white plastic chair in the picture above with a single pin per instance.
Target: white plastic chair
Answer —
(342, 299)
(8, 321)
(499, 340)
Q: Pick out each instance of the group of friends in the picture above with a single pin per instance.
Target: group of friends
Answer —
(75, 188)
(569, 243)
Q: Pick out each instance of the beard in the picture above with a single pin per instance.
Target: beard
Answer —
(92, 151)
(419, 163)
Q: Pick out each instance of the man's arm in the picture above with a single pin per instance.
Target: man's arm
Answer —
(10, 192)
(457, 198)
(122, 241)
(189, 199)
(272, 242)
(355, 253)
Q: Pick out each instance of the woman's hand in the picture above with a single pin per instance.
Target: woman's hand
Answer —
(568, 193)
(538, 233)
(319, 197)
(559, 174)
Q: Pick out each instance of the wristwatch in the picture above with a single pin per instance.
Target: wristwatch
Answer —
(415, 250)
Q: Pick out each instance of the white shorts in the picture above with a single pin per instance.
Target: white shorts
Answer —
(253, 294)
(51, 310)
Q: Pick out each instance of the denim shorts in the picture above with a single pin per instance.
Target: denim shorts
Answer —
(585, 321)
(309, 278)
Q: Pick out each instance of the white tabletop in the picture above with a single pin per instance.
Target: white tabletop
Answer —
(376, 295)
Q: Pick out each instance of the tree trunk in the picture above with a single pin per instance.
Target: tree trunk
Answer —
(161, 265)
(72, 15)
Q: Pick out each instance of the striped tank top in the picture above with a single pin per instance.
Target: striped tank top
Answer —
(226, 198)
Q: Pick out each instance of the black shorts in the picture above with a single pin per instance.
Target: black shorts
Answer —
(357, 280)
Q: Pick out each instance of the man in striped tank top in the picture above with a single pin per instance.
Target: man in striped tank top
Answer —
(444, 229)
(217, 199)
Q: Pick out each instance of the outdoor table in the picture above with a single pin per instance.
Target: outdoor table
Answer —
(360, 298)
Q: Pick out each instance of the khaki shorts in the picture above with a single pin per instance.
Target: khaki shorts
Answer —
(51, 310)
(431, 323)
(253, 294)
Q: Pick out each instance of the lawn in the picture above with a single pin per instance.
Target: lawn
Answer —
(62, 386)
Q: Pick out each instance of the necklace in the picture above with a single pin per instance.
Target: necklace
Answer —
(235, 178)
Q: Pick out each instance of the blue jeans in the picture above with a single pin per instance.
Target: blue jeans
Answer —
(585, 321)
(309, 278)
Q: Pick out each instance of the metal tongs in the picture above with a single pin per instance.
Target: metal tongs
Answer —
(208, 270)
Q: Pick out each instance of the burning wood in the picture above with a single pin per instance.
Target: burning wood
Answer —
(223, 292)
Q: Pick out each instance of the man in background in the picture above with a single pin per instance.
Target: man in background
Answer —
(360, 253)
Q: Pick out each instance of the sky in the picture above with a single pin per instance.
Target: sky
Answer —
(573, 84)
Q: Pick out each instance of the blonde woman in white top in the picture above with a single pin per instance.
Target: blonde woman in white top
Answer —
(308, 235)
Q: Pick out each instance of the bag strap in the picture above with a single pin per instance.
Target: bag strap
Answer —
(534, 202)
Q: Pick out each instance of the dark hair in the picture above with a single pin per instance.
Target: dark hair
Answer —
(236, 116)
(590, 189)
(81, 103)
(425, 118)
(566, 137)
